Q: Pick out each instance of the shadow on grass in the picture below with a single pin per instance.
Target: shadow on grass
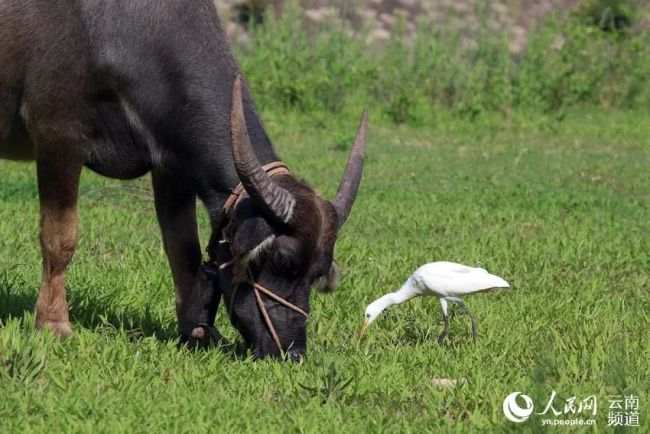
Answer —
(97, 314)
(13, 304)
(86, 311)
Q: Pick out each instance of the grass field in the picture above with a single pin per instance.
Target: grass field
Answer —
(560, 209)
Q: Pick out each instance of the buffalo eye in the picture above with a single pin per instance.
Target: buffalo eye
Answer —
(284, 264)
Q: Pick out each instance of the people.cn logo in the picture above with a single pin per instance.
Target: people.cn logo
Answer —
(513, 411)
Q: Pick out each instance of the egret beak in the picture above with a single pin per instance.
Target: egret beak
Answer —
(364, 327)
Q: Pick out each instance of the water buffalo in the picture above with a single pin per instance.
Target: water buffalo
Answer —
(130, 87)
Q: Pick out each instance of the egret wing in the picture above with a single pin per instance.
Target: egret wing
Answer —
(454, 280)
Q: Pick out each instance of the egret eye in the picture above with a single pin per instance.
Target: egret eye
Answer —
(367, 315)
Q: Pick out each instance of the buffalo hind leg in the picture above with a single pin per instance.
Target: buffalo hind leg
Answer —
(58, 186)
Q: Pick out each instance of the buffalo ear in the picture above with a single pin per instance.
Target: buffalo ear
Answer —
(330, 281)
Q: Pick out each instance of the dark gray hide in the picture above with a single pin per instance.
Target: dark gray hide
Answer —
(130, 87)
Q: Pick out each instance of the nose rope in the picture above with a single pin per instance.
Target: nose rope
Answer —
(260, 303)
(269, 324)
(267, 319)
(273, 169)
(280, 299)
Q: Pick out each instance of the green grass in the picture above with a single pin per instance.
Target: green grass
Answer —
(561, 209)
(569, 62)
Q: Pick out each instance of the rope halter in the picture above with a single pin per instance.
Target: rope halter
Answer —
(273, 169)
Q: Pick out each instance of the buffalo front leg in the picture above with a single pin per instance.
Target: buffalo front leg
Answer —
(58, 186)
(176, 211)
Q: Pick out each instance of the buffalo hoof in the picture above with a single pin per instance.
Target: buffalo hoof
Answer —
(203, 337)
(61, 329)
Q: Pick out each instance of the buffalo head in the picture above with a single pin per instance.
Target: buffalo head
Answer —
(281, 236)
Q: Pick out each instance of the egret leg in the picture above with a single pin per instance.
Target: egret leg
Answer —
(445, 331)
(474, 326)
(452, 311)
(445, 318)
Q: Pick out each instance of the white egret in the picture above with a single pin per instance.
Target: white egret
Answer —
(447, 281)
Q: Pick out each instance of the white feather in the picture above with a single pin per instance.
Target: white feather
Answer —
(447, 281)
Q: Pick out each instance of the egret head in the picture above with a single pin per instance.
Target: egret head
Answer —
(372, 312)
